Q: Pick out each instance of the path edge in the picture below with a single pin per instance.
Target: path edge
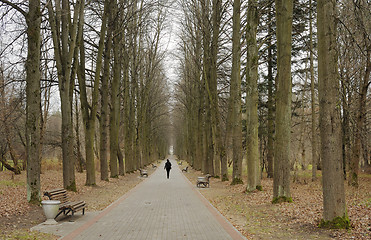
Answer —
(228, 226)
(104, 212)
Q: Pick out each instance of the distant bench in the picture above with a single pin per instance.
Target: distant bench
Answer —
(185, 169)
(205, 181)
(143, 173)
(66, 205)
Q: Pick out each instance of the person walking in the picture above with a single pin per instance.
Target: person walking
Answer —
(167, 167)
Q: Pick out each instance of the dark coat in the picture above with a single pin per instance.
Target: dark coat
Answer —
(167, 165)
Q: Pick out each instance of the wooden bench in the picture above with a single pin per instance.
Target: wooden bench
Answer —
(66, 205)
(185, 169)
(154, 166)
(143, 173)
(205, 181)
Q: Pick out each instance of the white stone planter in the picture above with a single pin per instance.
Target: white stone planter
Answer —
(50, 208)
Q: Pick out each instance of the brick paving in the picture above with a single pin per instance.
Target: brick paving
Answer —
(158, 209)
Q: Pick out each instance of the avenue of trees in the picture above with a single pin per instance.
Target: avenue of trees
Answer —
(282, 85)
(104, 62)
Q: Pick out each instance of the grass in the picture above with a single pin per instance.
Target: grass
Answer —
(11, 183)
(24, 234)
(51, 164)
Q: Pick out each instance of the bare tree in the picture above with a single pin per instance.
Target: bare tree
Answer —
(234, 110)
(64, 35)
(33, 97)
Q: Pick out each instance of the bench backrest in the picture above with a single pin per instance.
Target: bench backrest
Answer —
(57, 194)
(208, 176)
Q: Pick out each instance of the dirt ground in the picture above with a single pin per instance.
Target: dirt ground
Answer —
(256, 217)
(252, 214)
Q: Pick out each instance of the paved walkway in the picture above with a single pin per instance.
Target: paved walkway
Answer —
(157, 208)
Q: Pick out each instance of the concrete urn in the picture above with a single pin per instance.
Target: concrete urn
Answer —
(50, 208)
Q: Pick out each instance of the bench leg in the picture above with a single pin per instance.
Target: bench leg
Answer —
(83, 211)
(59, 213)
(69, 210)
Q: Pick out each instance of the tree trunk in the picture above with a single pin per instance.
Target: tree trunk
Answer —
(235, 96)
(313, 97)
(103, 124)
(89, 117)
(270, 150)
(33, 102)
(120, 158)
(252, 138)
(126, 115)
(332, 177)
(213, 95)
(346, 99)
(199, 101)
(281, 181)
(115, 103)
(360, 122)
(64, 41)
(207, 72)
(80, 162)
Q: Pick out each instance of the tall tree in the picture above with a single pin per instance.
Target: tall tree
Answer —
(270, 103)
(208, 160)
(104, 111)
(252, 140)
(33, 98)
(235, 96)
(362, 37)
(64, 34)
(89, 111)
(115, 89)
(219, 152)
(281, 180)
(334, 206)
(312, 95)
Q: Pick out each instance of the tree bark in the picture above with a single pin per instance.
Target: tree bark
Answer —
(115, 103)
(81, 164)
(235, 96)
(88, 111)
(252, 138)
(33, 102)
(103, 124)
(313, 97)
(332, 177)
(215, 115)
(281, 181)
(270, 150)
